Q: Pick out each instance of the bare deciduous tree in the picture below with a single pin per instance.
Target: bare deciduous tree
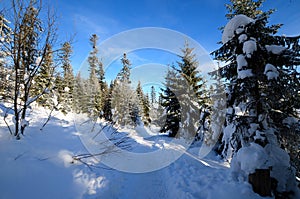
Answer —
(32, 32)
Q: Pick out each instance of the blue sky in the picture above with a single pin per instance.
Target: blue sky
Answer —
(197, 19)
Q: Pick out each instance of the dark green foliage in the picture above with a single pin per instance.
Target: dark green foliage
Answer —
(124, 74)
(44, 80)
(144, 105)
(107, 114)
(96, 85)
(65, 84)
(171, 105)
(184, 95)
(258, 102)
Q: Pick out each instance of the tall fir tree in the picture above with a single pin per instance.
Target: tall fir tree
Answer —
(124, 99)
(6, 87)
(170, 103)
(107, 109)
(188, 87)
(97, 85)
(44, 80)
(65, 83)
(153, 96)
(79, 95)
(262, 81)
(144, 104)
(192, 92)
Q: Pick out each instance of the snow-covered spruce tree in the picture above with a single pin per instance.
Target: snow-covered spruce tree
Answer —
(170, 103)
(5, 70)
(124, 100)
(65, 83)
(157, 115)
(107, 113)
(80, 97)
(97, 88)
(212, 117)
(263, 82)
(31, 34)
(153, 96)
(189, 90)
(156, 110)
(45, 80)
(144, 104)
(194, 91)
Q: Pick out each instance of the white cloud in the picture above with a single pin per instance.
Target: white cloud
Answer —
(89, 25)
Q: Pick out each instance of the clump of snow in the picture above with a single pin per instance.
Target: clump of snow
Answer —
(235, 25)
(259, 135)
(241, 62)
(253, 157)
(241, 67)
(249, 47)
(253, 128)
(281, 170)
(66, 157)
(275, 49)
(250, 158)
(67, 89)
(271, 72)
(242, 38)
(24, 123)
(242, 74)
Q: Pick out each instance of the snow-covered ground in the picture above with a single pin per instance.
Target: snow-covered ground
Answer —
(40, 165)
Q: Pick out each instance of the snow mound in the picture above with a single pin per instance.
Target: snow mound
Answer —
(66, 157)
(250, 158)
(235, 25)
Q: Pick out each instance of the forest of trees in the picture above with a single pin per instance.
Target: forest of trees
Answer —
(261, 79)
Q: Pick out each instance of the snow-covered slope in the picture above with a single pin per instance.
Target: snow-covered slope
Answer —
(40, 166)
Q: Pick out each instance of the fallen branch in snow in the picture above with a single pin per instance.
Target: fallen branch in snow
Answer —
(110, 126)
(114, 144)
(49, 117)
(20, 155)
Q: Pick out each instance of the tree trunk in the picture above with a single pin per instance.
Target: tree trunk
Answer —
(261, 182)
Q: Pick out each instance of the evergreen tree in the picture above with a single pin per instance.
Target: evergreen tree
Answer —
(65, 83)
(153, 96)
(192, 91)
(44, 80)
(107, 113)
(97, 85)
(80, 95)
(124, 74)
(171, 105)
(249, 8)
(6, 87)
(144, 104)
(124, 99)
(263, 77)
(188, 87)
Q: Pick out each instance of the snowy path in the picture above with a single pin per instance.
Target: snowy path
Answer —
(39, 166)
(126, 185)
